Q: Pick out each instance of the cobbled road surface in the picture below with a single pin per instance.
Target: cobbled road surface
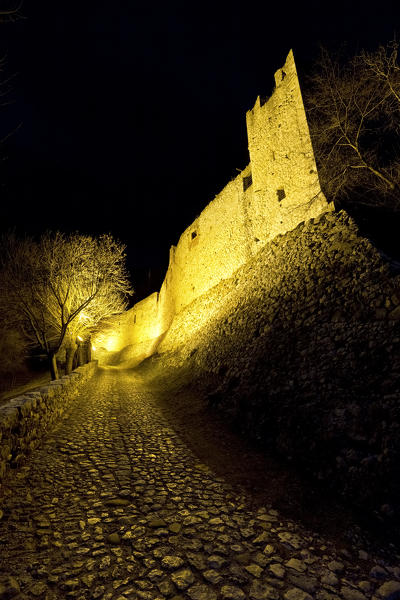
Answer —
(115, 506)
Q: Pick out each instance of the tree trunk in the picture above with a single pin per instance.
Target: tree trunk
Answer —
(81, 354)
(69, 358)
(89, 351)
(53, 365)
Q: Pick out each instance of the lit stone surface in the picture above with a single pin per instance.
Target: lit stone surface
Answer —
(277, 570)
(263, 591)
(296, 564)
(306, 300)
(285, 178)
(77, 542)
(390, 590)
(241, 219)
(297, 594)
(172, 562)
(183, 578)
(201, 592)
(231, 592)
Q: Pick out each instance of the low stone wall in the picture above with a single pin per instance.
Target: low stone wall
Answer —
(24, 419)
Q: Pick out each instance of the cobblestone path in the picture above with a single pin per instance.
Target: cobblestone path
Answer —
(114, 506)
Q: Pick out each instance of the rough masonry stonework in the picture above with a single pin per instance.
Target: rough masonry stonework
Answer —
(276, 191)
(288, 311)
(301, 349)
(25, 419)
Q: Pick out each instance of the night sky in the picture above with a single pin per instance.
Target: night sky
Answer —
(132, 115)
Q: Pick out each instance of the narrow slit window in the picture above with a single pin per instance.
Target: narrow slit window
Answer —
(281, 194)
(247, 181)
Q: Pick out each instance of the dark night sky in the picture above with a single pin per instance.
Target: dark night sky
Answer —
(133, 114)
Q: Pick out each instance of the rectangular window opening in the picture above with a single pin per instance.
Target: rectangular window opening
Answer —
(281, 194)
(247, 181)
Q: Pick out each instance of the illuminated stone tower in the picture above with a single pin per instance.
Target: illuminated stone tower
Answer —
(285, 183)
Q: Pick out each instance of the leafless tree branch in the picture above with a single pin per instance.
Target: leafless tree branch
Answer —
(353, 108)
(61, 286)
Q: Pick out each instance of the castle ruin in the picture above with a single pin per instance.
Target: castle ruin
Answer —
(277, 190)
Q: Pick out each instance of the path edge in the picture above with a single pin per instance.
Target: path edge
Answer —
(25, 419)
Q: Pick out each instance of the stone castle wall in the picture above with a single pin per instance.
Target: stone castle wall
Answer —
(276, 191)
(301, 348)
(211, 249)
(138, 324)
(287, 313)
(286, 187)
(134, 333)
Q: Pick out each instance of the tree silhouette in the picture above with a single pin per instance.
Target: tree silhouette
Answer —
(353, 108)
(61, 286)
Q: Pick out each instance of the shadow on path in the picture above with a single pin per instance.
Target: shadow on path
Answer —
(267, 479)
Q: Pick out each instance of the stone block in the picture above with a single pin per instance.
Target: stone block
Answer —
(394, 315)
(28, 406)
(55, 384)
(9, 417)
(16, 403)
(5, 451)
(47, 391)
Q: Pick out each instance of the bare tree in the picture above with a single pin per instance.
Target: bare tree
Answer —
(382, 66)
(353, 109)
(61, 286)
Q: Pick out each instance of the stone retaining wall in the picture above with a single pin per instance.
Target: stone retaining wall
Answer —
(302, 351)
(24, 419)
